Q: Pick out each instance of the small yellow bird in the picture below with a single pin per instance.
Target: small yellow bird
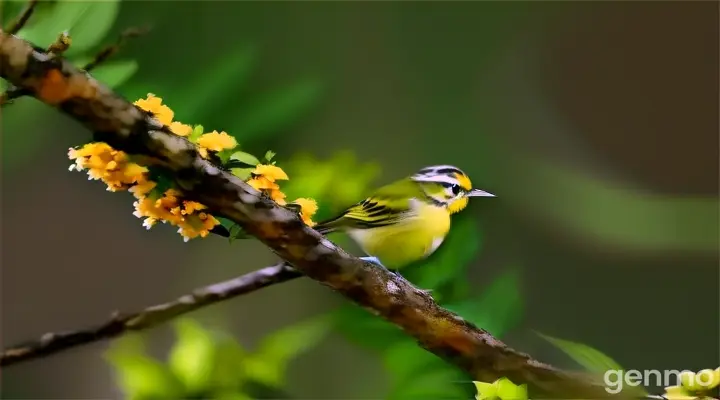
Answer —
(407, 220)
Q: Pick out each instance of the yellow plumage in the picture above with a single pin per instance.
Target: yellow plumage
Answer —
(407, 220)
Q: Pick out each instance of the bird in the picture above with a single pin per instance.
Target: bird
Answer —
(407, 220)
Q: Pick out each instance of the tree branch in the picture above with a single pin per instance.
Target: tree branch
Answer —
(116, 121)
(62, 43)
(119, 324)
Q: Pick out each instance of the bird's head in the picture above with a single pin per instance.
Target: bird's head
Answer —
(448, 185)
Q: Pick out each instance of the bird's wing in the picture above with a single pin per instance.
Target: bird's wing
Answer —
(377, 211)
(389, 205)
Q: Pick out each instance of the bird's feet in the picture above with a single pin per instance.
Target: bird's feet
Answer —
(377, 262)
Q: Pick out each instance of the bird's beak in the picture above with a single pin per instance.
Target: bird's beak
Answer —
(479, 193)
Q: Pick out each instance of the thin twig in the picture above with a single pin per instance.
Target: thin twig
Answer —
(117, 122)
(23, 18)
(112, 49)
(119, 324)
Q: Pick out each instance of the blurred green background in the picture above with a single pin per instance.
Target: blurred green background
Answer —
(594, 123)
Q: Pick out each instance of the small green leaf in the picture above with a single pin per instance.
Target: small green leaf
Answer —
(94, 24)
(498, 309)
(267, 365)
(64, 14)
(588, 357)
(502, 389)
(198, 130)
(237, 232)
(193, 355)
(242, 173)
(507, 390)
(276, 110)
(269, 156)
(139, 376)
(115, 73)
(244, 157)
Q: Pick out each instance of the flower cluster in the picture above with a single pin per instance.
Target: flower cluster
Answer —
(118, 171)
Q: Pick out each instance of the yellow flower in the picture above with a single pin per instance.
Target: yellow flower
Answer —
(262, 183)
(308, 208)
(108, 165)
(154, 105)
(180, 129)
(215, 141)
(271, 172)
(184, 214)
(142, 189)
(263, 179)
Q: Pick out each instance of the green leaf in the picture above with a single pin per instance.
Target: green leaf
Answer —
(507, 390)
(276, 110)
(498, 309)
(451, 260)
(237, 232)
(225, 78)
(198, 131)
(244, 157)
(115, 73)
(503, 389)
(588, 357)
(269, 156)
(227, 371)
(267, 365)
(139, 376)
(64, 14)
(93, 25)
(242, 173)
(193, 355)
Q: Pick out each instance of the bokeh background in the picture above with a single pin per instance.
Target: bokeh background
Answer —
(595, 123)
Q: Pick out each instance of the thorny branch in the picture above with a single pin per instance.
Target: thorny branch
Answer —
(119, 323)
(116, 121)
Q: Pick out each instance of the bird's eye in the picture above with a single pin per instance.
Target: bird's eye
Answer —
(455, 189)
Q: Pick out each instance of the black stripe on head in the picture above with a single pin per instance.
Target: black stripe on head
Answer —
(440, 170)
(449, 171)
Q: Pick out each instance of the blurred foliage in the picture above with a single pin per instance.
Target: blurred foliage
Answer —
(589, 358)
(501, 389)
(618, 215)
(335, 183)
(88, 24)
(251, 116)
(208, 364)
(594, 361)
